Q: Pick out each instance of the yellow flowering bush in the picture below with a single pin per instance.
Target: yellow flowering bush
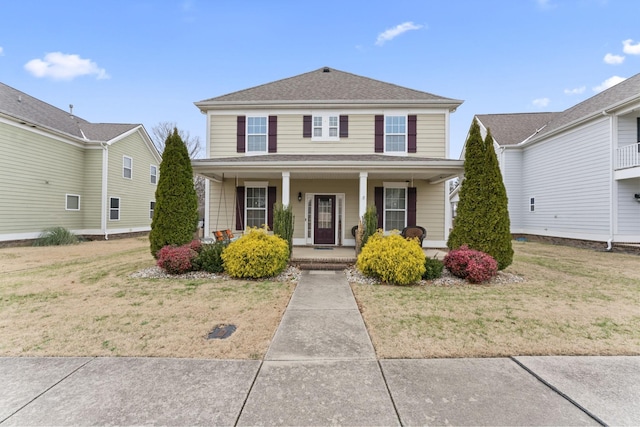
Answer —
(392, 259)
(255, 255)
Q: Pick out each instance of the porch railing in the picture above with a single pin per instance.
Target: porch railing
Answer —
(628, 156)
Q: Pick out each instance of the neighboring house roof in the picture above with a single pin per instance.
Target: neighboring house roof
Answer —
(328, 85)
(512, 129)
(29, 110)
(614, 97)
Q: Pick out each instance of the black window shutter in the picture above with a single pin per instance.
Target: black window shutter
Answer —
(379, 202)
(239, 208)
(271, 201)
(273, 134)
(379, 135)
(240, 140)
(306, 126)
(344, 126)
(411, 137)
(638, 128)
(411, 205)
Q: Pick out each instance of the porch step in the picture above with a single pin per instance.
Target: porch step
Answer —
(322, 266)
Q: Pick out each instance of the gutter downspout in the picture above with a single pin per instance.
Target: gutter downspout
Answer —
(105, 176)
(611, 180)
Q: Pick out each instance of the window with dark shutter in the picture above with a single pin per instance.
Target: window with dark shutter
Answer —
(240, 135)
(273, 134)
(379, 136)
(412, 135)
(306, 126)
(344, 126)
(239, 208)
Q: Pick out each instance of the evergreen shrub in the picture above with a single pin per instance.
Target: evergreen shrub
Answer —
(392, 259)
(370, 224)
(256, 255)
(433, 269)
(471, 265)
(209, 258)
(283, 220)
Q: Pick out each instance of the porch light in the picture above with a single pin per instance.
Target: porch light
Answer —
(299, 196)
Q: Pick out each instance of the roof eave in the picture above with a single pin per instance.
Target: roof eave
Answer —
(450, 104)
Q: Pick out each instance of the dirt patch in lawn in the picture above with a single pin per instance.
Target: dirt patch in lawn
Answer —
(81, 300)
(571, 302)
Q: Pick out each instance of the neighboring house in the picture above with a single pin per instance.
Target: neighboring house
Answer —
(328, 143)
(574, 174)
(56, 169)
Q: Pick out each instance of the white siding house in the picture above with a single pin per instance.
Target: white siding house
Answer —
(574, 174)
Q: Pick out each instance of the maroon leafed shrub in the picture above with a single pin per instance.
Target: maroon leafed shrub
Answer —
(471, 265)
(195, 245)
(176, 259)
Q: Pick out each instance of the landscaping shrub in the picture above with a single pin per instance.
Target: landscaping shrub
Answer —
(392, 259)
(370, 223)
(56, 236)
(472, 265)
(176, 259)
(433, 269)
(210, 258)
(196, 245)
(283, 220)
(255, 255)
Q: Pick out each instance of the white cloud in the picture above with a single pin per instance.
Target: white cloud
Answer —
(1, 51)
(629, 48)
(61, 66)
(575, 91)
(612, 59)
(541, 102)
(394, 32)
(545, 4)
(611, 81)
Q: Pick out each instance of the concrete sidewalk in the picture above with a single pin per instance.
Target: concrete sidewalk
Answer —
(320, 369)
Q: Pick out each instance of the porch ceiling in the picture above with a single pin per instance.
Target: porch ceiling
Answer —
(330, 167)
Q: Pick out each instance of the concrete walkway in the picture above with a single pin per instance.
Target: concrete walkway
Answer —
(320, 369)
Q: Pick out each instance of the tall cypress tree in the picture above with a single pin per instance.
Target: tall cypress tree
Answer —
(175, 218)
(482, 222)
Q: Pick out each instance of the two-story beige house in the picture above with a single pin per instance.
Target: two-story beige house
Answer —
(328, 143)
(57, 169)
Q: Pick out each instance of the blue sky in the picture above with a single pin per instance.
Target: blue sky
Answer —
(135, 61)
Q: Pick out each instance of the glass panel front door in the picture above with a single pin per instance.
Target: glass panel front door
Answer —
(324, 227)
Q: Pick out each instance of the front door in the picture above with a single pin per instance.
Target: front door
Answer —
(324, 224)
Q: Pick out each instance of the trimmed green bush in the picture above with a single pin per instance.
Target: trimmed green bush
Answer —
(56, 236)
(482, 222)
(392, 259)
(210, 258)
(256, 255)
(433, 269)
(175, 217)
(370, 224)
(283, 220)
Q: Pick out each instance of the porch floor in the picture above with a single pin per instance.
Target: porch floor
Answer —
(341, 254)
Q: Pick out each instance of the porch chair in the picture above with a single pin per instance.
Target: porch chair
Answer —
(413, 231)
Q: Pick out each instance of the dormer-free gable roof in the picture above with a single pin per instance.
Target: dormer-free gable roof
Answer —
(26, 109)
(625, 92)
(512, 129)
(327, 86)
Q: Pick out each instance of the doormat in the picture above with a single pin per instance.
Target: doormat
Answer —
(323, 248)
(221, 332)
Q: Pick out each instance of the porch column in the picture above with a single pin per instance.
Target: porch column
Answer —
(362, 207)
(286, 188)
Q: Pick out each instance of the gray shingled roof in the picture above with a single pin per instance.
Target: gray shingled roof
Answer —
(511, 129)
(23, 107)
(626, 90)
(328, 84)
(279, 158)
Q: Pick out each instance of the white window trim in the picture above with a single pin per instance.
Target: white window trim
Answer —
(246, 137)
(124, 167)
(66, 202)
(258, 184)
(119, 208)
(386, 185)
(406, 135)
(151, 211)
(325, 126)
(152, 175)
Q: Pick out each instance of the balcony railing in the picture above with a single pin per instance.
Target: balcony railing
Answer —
(628, 156)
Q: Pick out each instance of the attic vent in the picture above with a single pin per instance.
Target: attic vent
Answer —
(326, 70)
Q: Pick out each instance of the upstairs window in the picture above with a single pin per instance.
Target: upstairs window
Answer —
(532, 204)
(127, 167)
(153, 173)
(395, 134)
(256, 134)
(325, 127)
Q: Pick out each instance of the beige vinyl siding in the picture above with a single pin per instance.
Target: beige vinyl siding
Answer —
(431, 134)
(135, 193)
(36, 172)
(92, 198)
